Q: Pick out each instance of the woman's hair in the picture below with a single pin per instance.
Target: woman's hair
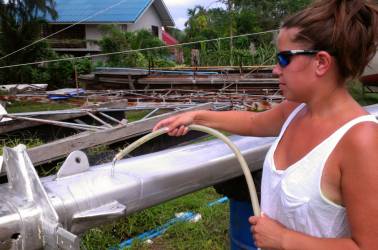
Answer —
(345, 28)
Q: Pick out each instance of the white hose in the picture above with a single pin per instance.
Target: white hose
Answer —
(225, 139)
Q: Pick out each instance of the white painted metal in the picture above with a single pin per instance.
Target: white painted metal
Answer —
(3, 111)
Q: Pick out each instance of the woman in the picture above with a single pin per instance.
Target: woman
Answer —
(320, 177)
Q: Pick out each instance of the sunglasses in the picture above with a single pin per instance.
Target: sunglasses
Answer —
(284, 57)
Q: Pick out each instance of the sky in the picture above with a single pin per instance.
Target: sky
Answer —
(178, 9)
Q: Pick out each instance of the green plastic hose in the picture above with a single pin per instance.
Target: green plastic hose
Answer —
(225, 139)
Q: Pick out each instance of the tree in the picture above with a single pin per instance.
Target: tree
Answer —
(271, 13)
(116, 40)
(240, 17)
(21, 23)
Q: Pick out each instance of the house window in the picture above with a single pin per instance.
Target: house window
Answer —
(73, 37)
(155, 30)
(75, 32)
(124, 27)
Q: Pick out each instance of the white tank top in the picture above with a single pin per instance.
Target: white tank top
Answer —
(293, 196)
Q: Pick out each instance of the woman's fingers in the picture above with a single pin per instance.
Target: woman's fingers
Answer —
(173, 132)
(253, 220)
(177, 125)
(165, 123)
(181, 131)
(161, 124)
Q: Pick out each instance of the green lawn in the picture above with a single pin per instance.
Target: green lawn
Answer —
(19, 107)
(208, 233)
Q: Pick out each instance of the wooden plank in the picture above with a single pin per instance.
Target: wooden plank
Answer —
(61, 148)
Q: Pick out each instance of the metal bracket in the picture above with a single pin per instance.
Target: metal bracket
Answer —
(67, 240)
(76, 162)
(97, 216)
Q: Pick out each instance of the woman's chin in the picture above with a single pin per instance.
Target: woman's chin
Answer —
(290, 97)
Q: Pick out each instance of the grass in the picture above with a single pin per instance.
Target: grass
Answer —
(137, 115)
(12, 142)
(19, 107)
(208, 233)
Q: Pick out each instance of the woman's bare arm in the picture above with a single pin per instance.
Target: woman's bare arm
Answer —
(266, 123)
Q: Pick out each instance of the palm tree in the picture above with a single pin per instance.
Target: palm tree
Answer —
(21, 23)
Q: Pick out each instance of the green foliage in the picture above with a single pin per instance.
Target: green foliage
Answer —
(240, 17)
(20, 24)
(83, 66)
(14, 141)
(162, 62)
(116, 40)
(218, 53)
(269, 14)
(39, 76)
(176, 33)
(355, 89)
(62, 73)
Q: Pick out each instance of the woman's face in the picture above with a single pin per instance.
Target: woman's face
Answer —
(297, 79)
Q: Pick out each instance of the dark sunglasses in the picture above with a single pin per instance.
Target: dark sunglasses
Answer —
(284, 57)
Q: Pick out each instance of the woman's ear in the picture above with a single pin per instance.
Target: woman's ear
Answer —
(323, 63)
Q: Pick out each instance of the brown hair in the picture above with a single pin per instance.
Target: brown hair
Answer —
(345, 28)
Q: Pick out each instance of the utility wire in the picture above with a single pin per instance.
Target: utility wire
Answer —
(59, 31)
(135, 50)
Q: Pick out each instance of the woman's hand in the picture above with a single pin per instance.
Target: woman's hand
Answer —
(177, 125)
(267, 233)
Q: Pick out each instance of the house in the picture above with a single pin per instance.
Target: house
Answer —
(129, 15)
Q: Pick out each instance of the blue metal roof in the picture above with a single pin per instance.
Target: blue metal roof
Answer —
(124, 11)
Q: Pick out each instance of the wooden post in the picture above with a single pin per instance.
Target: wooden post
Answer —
(76, 81)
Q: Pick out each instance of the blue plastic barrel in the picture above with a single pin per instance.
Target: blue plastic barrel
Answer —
(240, 233)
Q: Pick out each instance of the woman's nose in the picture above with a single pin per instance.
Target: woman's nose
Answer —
(277, 70)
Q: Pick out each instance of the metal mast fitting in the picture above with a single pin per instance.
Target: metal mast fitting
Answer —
(29, 209)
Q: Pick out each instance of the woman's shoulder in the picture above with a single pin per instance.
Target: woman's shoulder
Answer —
(360, 142)
(364, 132)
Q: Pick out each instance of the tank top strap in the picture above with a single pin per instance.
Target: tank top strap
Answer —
(290, 118)
(331, 142)
(339, 133)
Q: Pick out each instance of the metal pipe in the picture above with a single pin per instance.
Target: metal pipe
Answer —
(99, 120)
(58, 123)
(84, 197)
(111, 118)
(151, 113)
(216, 134)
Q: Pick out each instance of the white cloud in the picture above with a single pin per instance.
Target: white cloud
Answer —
(180, 22)
(179, 9)
(174, 3)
